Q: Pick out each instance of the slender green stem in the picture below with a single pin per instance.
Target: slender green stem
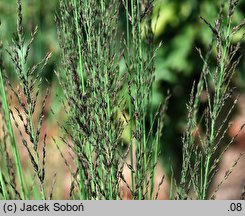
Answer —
(216, 107)
(81, 75)
(30, 122)
(2, 183)
(129, 101)
(12, 138)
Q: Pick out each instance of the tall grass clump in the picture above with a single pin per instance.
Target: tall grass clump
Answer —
(109, 125)
(22, 116)
(139, 57)
(93, 81)
(202, 149)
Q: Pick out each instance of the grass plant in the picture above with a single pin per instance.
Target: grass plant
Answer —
(107, 77)
(27, 93)
(200, 148)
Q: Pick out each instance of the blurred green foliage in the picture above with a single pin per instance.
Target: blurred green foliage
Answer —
(176, 23)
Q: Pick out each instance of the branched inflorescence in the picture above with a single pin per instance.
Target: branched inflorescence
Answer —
(198, 174)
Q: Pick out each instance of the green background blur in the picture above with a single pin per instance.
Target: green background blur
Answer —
(177, 63)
